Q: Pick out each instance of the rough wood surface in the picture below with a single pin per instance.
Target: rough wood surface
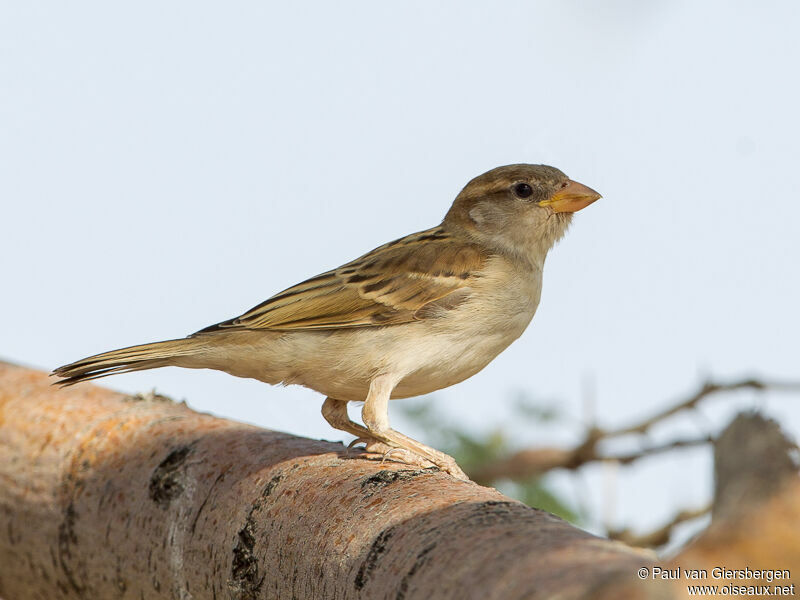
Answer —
(108, 496)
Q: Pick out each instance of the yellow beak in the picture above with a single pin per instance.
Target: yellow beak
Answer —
(571, 198)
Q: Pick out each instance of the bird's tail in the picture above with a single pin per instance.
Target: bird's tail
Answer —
(134, 358)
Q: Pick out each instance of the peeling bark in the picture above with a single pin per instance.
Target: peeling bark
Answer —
(108, 496)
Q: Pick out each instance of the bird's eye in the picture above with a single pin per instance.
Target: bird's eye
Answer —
(522, 190)
(564, 184)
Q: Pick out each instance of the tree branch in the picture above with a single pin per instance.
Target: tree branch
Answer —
(706, 389)
(660, 535)
(110, 496)
(533, 462)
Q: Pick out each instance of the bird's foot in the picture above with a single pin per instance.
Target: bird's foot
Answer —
(386, 452)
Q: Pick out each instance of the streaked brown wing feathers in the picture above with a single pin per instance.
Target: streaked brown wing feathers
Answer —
(390, 285)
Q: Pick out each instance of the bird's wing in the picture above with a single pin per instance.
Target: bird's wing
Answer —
(417, 277)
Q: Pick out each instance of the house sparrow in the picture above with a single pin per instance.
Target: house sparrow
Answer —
(410, 317)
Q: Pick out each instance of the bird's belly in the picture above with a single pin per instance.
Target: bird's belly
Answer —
(425, 356)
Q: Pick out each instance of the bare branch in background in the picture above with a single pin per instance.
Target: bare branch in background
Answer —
(533, 462)
(707, 389)
(660, 535)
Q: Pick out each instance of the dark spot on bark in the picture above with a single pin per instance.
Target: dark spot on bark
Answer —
(11, 538)
(270, 487)
(122, 585)
(244, 571)
(169, 477)
(493, 512)
(381, 479)
(497, 503)
(373, 556)
(245, 582)
(66, 540)
(402, 590)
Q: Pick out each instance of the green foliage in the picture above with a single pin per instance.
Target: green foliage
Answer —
(473, 450)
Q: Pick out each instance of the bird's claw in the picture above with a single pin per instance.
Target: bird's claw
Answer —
(411, 458)
(352, 444)
(402, 455)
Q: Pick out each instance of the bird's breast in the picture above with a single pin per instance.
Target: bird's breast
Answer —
(459, 345)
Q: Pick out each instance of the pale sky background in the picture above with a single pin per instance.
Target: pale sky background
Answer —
(165, 166)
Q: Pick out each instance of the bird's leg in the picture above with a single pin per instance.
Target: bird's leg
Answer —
(375, 415)
(335, 413)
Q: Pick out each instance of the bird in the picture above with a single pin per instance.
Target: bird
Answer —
(415, 315)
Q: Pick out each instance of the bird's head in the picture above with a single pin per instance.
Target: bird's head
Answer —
(522, 209)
